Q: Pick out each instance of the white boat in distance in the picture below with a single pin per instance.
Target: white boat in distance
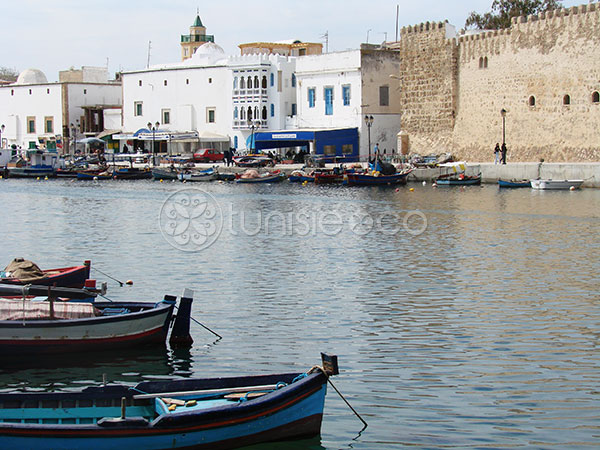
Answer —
(556, 184)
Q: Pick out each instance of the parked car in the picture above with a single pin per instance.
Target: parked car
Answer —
(206, 155)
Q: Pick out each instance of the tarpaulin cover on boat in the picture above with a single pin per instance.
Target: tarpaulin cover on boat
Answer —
(27, 310)
(24, 270)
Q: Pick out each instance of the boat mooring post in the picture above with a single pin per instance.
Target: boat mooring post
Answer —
(180, 334)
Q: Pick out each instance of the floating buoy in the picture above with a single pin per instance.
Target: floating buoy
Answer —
(95, 178)
(412, 189)
(434, 185)
(397, 190)
(424, 183)
(38, 178)
(129, 282)
(46, 177)
(304, 183)
(572, 188)
(161, 180)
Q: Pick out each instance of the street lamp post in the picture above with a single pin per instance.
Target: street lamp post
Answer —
(74, 132)
(503, 114)
(369, 123)
(2, 127)
(153, 128)
(253, 124)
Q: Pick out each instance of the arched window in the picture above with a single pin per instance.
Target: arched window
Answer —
(293, 80)
(272, 110)
(256, 112)
(242, 114)
(264, 113)
(256, 82)
(532, 101)
(249, 83)
(264, 82)
(596, 97)
(481, 62)
(235, 82)
(485, 62)
(272, 80)
(235, 112)
(242, 83)
(567, 100)
(249, 112)
(235, 142)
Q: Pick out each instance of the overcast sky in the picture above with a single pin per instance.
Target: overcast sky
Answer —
(59, 34)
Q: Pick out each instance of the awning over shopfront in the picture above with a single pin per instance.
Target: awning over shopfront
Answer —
(334, 143)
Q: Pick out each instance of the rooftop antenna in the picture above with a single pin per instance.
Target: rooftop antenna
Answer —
(149, 47)
(397, 17)
(326, 37)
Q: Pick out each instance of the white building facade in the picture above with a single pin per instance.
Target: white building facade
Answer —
(337, 90)
(207, 101)
(36, 113)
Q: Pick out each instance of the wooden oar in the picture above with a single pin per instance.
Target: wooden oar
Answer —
(266, 387)
(35, 290)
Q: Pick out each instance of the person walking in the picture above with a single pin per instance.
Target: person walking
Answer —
(497, 154)
(504, 153)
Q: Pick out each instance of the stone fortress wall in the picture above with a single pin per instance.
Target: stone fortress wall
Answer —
(544, 71)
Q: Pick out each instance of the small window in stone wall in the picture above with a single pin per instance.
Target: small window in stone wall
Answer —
(596, 97)
(532, 101)
(481, 62)
(567, 100)
(485, 62)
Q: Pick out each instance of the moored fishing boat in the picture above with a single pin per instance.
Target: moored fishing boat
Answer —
(371, 179)
(197, 175)
(556, 184)
(94, 174)
(458, 180)
(21, 271)
(300, 176)
(252, 176)
(39, 327)
(165, 173)
(191, 413)
(132, 173)
(514, 183)
(39, 164)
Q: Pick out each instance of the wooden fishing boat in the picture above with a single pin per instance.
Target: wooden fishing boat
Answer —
(197, 175)
(364, 179)
(206, 413)
(267, 177)
(73, 276)
(329, 176)
(514, 183)
(458, 180)
(556, 184)
(29, 327)
(300, 176)
(162, 173)
(94, 174)
(132, 173)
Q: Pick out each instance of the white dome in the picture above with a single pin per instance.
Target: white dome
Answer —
(31, 76)
(210, 48)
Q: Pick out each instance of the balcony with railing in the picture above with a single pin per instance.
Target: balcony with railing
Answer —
(197, 38)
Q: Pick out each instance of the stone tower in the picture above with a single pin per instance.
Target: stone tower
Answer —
(197, 37)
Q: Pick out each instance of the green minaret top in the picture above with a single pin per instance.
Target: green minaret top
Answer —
(197, 22)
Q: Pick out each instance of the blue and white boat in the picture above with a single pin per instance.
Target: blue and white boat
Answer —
(39, 163)
(190, 413)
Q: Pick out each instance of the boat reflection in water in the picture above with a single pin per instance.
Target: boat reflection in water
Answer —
(64, 373)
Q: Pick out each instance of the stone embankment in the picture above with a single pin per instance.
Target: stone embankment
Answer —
(490, 172)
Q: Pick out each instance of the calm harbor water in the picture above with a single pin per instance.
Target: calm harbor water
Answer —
(462, 318)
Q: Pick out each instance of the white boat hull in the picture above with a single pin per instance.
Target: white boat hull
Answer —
(556, 184)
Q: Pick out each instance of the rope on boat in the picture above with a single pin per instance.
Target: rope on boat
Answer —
(319, 368)
(107, 275)
(203, 326)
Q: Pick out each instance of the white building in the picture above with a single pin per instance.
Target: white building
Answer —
(35, 112)
(337, 90)
(208, 100)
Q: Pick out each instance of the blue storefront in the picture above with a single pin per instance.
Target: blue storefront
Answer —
(330, 145)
